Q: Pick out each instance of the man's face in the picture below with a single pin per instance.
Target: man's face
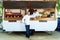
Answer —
(28, 13)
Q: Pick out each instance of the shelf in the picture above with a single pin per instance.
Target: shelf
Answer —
(49, 19)
(20, 18)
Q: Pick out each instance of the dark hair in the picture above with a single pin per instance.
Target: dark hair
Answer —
(31, 11)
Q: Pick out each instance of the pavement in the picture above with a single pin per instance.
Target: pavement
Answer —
(37, 36)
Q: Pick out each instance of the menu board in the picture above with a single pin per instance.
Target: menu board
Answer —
(25, 4)
(41, 4)
(15, 4)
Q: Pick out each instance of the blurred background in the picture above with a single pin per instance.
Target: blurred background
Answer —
(37, 36)
(1, 7)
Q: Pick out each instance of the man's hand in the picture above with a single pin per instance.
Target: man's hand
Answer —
(34, 18)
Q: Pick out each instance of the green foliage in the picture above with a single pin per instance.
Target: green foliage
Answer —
(58, 8)
(0, 8)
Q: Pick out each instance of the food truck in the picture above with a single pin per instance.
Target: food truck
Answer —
(14, 11)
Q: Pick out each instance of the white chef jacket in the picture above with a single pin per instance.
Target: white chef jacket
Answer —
(26, 19)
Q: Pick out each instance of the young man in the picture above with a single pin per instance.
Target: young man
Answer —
(26, 21)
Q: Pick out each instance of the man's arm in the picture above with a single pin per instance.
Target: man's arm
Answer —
(23, 19)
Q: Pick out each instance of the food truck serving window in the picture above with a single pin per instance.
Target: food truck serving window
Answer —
(13, 8)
